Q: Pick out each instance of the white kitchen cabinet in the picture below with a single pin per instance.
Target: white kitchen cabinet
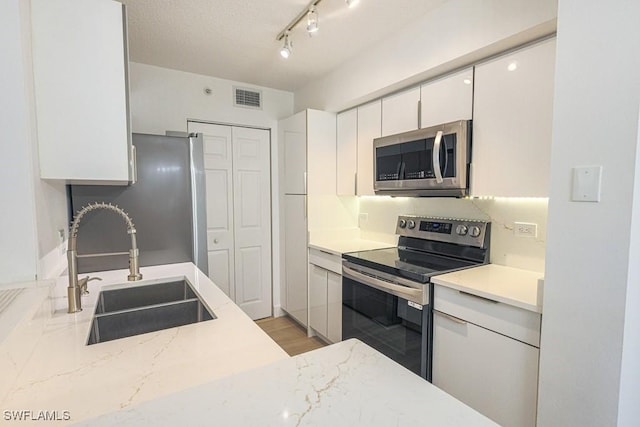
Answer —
(447, 99)
(486, 355)
(400, 112)
(325, 294)
(81, 90)
(293, 136)
(369, 127)
(308, 142)
(318, 299)
(346, 152)
(512, 118)
(295, 258)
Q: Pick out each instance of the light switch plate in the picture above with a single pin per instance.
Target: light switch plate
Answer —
(586, 184)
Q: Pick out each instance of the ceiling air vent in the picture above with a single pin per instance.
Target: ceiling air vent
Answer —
(247, 98)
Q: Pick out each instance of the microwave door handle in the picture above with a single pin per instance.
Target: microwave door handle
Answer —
(436, 157)
(401, 170)
(446, 156)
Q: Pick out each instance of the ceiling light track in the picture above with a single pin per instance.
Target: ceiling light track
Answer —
(302, 15)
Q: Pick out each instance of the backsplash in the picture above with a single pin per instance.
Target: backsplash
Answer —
(378, 215)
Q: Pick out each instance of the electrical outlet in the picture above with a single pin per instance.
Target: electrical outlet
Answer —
(525, 229)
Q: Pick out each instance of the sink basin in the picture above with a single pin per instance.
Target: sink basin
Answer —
(138, 310)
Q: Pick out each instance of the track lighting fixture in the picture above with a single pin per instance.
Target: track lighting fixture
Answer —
(285, 51)
(311, 13)
(312, 20)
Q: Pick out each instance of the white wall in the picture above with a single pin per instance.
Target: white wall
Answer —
(34, 210)
(18, 251)
(591, 278)
(457, 33)
(506, 249)
(162, 99)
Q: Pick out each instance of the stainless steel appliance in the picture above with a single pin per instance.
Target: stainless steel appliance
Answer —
(386, 293)
(167, 202)
(432, 161)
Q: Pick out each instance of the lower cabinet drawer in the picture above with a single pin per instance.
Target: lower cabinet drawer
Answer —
(520, 324)
(326, 260)
(495, 375)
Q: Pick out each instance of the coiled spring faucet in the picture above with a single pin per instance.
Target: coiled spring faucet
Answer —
(77, 288)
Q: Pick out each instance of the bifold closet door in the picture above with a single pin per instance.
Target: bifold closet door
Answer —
(237, 169)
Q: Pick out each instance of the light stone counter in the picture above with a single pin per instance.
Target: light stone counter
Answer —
(339, 247)
(519, 288)
(345, 384)
(46, 365)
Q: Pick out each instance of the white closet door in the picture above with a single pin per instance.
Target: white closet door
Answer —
(252, 218)
(218, 165)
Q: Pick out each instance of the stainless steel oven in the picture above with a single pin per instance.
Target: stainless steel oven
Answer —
(386, 293)
(433, 161)
(388, 313)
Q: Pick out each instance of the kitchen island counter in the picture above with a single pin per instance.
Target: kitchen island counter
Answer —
(345, 384)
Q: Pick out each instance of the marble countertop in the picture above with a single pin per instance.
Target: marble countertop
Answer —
(339, 247)
(519, 288)
(47, 366)
(345, 384)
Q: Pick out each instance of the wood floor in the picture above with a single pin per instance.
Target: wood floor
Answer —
(289, 335)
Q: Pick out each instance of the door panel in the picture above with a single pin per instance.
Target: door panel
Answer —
(252, 213)
(238, 179)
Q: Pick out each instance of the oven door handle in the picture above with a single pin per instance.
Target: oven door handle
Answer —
(436, 157)
(411, 294)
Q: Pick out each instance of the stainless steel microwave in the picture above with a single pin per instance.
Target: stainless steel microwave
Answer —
(432, 161)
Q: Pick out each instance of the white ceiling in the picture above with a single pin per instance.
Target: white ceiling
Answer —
(236, 39)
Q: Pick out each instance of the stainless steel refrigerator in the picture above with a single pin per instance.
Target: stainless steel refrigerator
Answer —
(166, 202)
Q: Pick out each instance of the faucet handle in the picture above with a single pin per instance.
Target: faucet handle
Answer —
(82, 284)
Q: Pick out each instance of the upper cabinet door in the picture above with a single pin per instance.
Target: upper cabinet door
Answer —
(293, 136)
(81, 90)
(512, 118)
(346, 147)
(400, 112)
(321, 153)
(369, 127)
(447, 99)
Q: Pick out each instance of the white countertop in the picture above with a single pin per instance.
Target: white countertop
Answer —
(46, 365)
(339, 247)
(508, 285)
(345, 384)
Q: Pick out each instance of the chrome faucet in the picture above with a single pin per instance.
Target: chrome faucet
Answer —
(79, 287)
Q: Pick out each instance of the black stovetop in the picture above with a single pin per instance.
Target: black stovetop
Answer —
(409, 263)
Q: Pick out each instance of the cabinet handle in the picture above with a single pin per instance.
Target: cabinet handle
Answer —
(448, 316)
(479, 297)
(304, 177)
(436, 157)
(134, 164)
(355, 183)
(419, 114)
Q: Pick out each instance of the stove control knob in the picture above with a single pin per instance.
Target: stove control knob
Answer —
(474, 231)
(411, 224)
(402, 223)
(461, 230)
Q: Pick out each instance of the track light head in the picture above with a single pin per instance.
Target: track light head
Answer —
(286, 49)
(312, 21)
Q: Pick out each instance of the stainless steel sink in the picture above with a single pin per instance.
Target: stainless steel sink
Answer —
(138, 310)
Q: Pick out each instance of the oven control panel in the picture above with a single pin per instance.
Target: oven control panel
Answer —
(467, 232)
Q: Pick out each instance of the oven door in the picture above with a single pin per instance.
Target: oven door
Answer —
(374, 312)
